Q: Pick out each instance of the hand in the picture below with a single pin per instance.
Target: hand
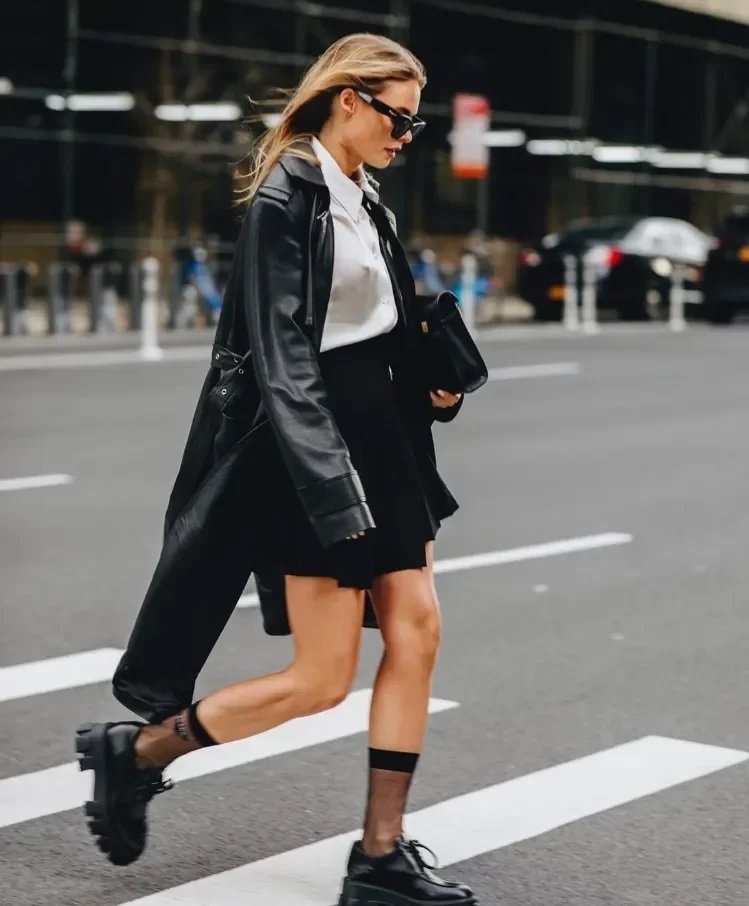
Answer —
(443, 400)
(354, 536)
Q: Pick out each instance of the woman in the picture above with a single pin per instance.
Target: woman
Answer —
(339, 421)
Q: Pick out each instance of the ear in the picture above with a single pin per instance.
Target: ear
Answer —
(348, 100)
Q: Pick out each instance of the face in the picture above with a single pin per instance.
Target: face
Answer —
(368, 134)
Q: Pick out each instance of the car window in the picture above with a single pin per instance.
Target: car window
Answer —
(579, 235)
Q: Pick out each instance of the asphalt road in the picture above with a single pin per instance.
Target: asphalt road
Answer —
(639, 647)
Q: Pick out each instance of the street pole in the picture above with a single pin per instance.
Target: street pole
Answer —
(185, 184)
(70, 72)
(482, 202)
(648, 136)
(581, 103)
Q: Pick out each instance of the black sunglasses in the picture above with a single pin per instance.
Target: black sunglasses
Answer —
(402, 123)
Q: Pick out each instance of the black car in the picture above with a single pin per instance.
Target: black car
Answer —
(632, 261)
(726, 282)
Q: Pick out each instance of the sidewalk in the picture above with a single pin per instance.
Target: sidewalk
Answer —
(511, 310)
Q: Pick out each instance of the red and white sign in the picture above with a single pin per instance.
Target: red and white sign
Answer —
(471, 117)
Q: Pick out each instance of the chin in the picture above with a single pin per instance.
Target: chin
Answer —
(380, 162)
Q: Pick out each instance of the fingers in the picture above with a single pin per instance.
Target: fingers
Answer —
(354, 536)
(443, 400)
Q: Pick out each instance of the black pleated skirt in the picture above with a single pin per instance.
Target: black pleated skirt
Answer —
(406, 496)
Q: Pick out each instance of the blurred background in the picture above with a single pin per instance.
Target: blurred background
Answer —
(616, 127)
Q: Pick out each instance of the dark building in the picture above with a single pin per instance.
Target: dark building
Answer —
(629, 72)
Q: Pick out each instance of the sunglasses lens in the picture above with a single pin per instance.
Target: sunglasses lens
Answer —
(400, 127)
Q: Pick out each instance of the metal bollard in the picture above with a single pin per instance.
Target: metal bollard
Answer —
(590, 323)
(676, 320)
(175, 293)
(23, 277)
(468, 291)
(136, 295)
(149, 347)
(10, 298)
(58, 299)
(110, 299)
(102, 298)
(95, 290)
(571, 313)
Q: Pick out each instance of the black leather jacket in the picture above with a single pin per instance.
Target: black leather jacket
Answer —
(264, 375)
(275, 306)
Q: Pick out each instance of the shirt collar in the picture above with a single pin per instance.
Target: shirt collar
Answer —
(346, 190)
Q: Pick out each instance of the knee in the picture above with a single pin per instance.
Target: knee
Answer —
(320, 690)
(415, 638)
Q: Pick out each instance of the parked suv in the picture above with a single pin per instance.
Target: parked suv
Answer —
(726, 285)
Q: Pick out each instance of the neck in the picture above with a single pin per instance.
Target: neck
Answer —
(346, 160)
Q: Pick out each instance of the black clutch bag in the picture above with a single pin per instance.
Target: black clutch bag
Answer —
(447, 351)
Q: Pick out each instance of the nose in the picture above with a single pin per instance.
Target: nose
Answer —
(407, 138)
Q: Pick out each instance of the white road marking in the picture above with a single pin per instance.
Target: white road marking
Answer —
(518, 372)
(513, 555)
(98, 358)
(534, 552)
(470, 825)
(57, 789)
(53, 674)
(34, 481)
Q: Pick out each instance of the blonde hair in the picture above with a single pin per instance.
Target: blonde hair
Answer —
(360, 61)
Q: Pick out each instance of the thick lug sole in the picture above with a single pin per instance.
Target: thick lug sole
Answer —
(355, 894)
(91, 747)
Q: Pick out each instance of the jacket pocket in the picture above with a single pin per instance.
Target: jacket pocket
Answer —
(234, 396)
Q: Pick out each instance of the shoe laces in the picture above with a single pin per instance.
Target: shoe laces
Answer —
(415, 848)
(146, 789)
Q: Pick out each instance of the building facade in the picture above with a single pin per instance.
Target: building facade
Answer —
(645, 73)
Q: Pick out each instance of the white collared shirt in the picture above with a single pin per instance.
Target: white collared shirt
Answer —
(361, 302)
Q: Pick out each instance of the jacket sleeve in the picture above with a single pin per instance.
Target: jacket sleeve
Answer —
(288, 374)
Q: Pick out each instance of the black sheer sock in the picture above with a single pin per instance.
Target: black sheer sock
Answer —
(390, 775)
(157, 745)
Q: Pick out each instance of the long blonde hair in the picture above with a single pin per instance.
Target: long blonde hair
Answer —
(360, 61)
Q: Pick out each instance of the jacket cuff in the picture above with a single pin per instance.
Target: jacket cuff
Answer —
(334, 527)
(332, 494)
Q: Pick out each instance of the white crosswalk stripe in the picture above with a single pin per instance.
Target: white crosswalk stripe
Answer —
(34, 481)
(470, 825)
(522, 372)
(53, 790)
(53, 674)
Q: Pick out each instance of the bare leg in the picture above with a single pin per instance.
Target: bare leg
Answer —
(326, 623)
(408, 614)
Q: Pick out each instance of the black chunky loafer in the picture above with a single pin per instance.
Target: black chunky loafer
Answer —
(122, 790)
(400, 878)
